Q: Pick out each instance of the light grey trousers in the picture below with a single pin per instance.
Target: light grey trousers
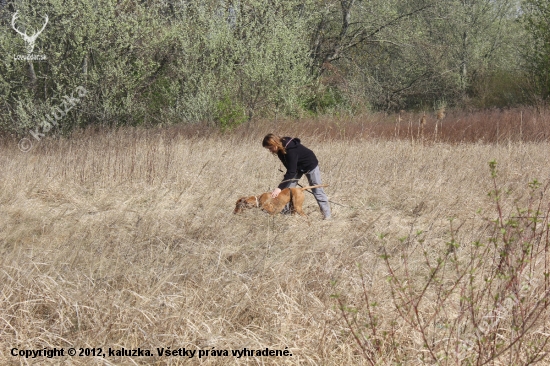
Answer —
(314, 178)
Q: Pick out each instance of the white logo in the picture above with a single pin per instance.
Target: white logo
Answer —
(30, 40)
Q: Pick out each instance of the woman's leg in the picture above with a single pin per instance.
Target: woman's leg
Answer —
(314, 178)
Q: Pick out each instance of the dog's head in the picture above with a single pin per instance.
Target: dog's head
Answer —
(245, 202)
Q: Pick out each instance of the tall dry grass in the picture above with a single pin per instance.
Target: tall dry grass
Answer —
(500, 126)
(127, 239)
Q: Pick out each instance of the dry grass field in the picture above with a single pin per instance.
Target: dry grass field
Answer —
(126, 239)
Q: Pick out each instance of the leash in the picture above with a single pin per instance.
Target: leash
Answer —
(307, 190)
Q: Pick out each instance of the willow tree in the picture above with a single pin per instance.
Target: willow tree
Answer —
(537, 21)
(154, 62)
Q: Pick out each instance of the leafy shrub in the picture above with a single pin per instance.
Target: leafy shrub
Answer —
(470, 303)
(325, 100)
(229, 114)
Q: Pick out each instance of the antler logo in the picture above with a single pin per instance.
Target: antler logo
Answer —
(30, 40)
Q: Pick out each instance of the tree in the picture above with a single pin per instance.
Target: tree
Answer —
(205, 59)
(481, 36)
(412, 54)
(537, 21)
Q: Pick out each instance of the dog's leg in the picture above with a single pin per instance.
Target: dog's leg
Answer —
(291, 204)
(297, 200)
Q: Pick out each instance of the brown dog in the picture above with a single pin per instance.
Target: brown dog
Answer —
(275, 205)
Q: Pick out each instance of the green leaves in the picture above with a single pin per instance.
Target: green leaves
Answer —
(535, 19)
(158, 62)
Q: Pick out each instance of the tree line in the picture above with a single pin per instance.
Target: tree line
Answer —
(226, 62)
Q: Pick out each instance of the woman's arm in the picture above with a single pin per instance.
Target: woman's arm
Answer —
(291, 170)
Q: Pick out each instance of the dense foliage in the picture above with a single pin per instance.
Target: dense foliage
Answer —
(538, 24)
(226, 62)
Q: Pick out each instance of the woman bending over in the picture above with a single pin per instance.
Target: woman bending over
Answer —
(298, 160)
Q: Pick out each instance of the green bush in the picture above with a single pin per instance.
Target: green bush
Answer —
(229, 114)
(500, 88)
(327, 99)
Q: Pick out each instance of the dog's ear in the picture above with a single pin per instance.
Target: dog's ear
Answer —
(241, 203)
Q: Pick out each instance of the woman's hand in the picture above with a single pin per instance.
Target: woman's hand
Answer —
(275, 193)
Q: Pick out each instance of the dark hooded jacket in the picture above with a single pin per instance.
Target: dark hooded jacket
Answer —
(297, 160)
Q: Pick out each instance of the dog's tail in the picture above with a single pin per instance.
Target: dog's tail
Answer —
(317, 186)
